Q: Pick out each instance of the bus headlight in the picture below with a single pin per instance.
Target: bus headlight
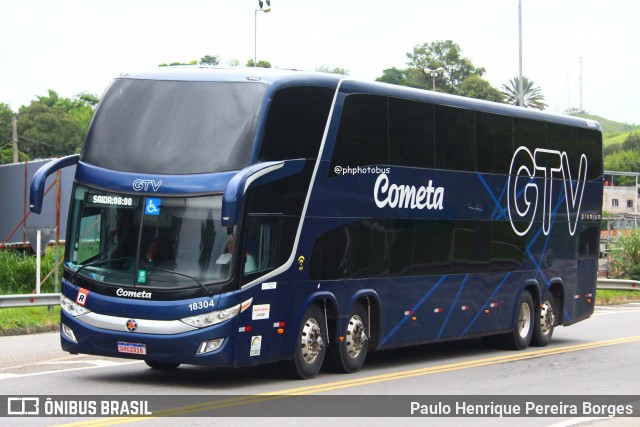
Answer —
(71, 307)
(215, 317)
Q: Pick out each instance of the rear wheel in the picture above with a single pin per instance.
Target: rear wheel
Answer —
(164, 366)
(348, 355)
(310, 346)
(520, 337)
(544, 322)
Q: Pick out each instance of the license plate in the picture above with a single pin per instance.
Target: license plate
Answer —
(131, 348)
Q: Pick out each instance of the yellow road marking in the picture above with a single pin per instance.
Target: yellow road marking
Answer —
(319, 388)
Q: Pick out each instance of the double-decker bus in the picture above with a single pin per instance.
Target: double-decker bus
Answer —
(236, 217)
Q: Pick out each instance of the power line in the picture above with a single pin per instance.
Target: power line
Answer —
(49, 144)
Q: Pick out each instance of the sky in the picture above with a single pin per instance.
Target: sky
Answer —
(74, 46)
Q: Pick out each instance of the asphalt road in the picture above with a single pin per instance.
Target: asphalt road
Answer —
(598, 356)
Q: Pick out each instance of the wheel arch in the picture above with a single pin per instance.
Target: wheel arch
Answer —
(557, 290)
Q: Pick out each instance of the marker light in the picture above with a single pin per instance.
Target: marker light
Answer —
(215, 317)
(71, 307)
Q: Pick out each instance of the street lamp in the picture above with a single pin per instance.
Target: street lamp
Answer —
(264, 9)
(433, 73)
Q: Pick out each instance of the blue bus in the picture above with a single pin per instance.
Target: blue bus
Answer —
(236, 217)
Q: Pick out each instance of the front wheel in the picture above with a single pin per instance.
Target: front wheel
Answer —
(545, 320)
(348, 355)
(520, 337)
(310, 346)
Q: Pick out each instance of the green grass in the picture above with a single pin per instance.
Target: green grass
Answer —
(18, 271)
(609, 297)
(616, 137)
(28, 319)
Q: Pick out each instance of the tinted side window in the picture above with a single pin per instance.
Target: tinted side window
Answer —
(565, 139)
(401, 245)
(455, 138)
(411, 133)
(295, 123)
(529, 133)
(363, 132)
(590, 143)
(495, 142)
(432, 247)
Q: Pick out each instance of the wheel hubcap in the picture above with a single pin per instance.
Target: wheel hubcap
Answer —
(524, 320)
(547, 318)
(311, 341)
(356, 336)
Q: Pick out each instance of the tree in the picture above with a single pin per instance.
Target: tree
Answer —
(394, 76)
(261, 63)
(335, 70)
(445, 54)
(52, 126)
(533, 97)
(210, 60)
(5, 123)
(173, 64)
(626, 257)
(475, 86)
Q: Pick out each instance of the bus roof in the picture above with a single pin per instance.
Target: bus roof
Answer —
(270, 76)
(277, 78)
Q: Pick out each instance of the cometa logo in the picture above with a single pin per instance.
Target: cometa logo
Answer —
(133, 294)
(407, 196)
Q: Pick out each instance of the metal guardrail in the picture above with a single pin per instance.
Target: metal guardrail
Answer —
(28, 300)
(619, 284)
(32, 300)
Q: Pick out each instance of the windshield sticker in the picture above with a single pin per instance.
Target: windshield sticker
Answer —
(142, 276)
(260, 311)
(83, 294)
(256, 345)
(152, 206)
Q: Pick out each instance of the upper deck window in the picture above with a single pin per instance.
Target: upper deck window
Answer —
(174, 127)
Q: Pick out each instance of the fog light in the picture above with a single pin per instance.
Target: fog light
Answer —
(209, 346)
(68, 332)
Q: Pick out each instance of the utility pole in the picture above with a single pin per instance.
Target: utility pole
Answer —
(14, 130)
(520, 83)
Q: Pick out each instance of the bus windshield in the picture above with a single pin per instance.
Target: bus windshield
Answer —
(176, 127)
(158, 242)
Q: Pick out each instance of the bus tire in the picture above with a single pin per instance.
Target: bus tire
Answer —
(163, 366)
(544, 323)
(520, 337)
(348, 355)
(310, 346)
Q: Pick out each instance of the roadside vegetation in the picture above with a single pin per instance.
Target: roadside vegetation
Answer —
(17, 276)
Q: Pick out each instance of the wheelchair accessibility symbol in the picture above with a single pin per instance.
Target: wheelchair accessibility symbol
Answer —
(152, 206)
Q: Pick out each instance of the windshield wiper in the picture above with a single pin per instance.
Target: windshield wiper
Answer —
(97, 262)
(209, 291)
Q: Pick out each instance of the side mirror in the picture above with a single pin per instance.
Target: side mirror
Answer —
(36, 193)
(259, 173)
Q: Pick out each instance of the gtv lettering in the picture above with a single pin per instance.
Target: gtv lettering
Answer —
(525, 193)
(144, 184)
